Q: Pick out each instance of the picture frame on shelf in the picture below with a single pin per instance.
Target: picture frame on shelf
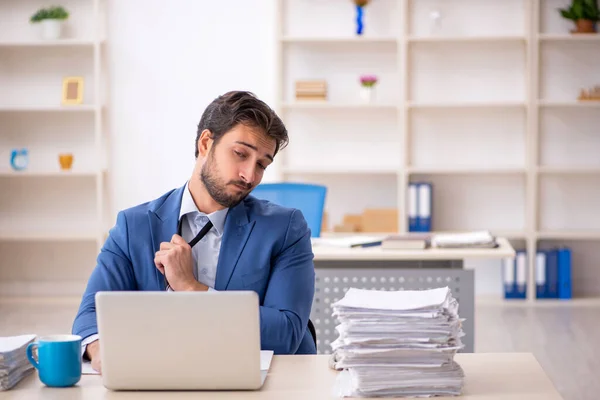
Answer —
(72, 90)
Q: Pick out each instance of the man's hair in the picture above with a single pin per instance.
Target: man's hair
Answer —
(239, 107)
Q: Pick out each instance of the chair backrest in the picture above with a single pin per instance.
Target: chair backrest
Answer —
(308, 198)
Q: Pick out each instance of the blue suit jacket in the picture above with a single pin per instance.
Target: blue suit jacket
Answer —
(265, 248)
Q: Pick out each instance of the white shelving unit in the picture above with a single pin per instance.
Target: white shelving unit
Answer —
(51, 221)
(481, 102)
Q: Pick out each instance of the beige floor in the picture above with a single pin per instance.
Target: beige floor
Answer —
(563, 336)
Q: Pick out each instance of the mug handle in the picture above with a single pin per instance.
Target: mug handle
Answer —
(30, 355)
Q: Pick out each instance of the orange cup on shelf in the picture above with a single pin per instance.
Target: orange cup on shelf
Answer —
(66, 161)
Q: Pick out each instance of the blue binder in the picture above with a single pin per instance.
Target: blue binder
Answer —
(552, 274)
(521, 275)
(564, 273)
(424, 208)
(412, 207)
(515, 276)
(508, 277)
(540, 275)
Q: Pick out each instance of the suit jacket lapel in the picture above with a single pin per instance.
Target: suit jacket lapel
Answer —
(235, 235)
(163, 225)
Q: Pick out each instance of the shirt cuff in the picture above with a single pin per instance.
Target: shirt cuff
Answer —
(211, 289)
(87, 341)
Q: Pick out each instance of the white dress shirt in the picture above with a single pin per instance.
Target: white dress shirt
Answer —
(205, 253)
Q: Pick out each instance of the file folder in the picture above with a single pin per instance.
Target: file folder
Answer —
(540, 275)
(412, 207)
(564, 273)
(424, 207)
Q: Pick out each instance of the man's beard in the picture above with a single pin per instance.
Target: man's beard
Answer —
(216, 189)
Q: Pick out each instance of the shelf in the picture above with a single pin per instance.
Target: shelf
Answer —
(49, 43)
(310, 105)
(73, 108)
(466, 39)
(566, 235)
(468, 105)
(466, 170)
(580, 37)
(569, 170)
(48, 236)
(324, 170)
(569, 104)
(49, 174)
(339, 40)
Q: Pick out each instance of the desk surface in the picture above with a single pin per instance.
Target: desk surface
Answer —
(506, 376)
(328, 253)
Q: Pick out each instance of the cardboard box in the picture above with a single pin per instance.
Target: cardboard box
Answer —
(380, 220)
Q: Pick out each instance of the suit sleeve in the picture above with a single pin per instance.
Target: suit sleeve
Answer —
(288, 300)
(113, 271)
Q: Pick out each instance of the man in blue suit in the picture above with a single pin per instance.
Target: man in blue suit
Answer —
(246, 244)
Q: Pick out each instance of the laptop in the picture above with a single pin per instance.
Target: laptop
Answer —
(180, 340)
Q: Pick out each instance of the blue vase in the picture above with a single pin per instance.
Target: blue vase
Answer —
(19, 159)
(359, 20)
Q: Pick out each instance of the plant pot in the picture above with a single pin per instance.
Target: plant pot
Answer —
(585, 26)
(51, 29)
(367, 94)
(66, 161)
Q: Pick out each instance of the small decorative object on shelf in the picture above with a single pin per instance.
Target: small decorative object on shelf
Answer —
(66, 161)
(584, 13)
(367, 90)
(51, 20)
(72, 91)
(19, 159)
(360, 5)
(590, 95)
(313, 90)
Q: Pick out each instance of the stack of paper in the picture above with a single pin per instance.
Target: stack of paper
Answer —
(398, 343)
(14, 365)
(477, 239)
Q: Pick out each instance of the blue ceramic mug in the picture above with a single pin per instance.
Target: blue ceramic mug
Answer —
(59, 359)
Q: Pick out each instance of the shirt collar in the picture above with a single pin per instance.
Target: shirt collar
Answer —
(188, 206)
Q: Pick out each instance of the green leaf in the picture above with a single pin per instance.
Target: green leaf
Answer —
(50, 13)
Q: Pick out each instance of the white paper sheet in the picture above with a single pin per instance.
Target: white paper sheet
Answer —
(394, 300)
(13, 343)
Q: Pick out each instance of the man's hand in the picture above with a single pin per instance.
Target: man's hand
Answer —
(93, 353)
(175, 261)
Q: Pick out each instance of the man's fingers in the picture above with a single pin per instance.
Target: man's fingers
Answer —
(166, 246)
(158, 263)
(97, 365)
(176, 239)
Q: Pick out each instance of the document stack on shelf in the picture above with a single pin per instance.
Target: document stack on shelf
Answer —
(14, 365)
(397, 343)
(475, 239)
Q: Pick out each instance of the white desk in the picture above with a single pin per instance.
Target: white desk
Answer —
(327, 253)
(373, 267)
(506, 376)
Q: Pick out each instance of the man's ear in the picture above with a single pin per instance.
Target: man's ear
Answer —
(205, 142)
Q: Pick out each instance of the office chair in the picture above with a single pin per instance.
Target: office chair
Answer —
(308, 198)
(313, 333)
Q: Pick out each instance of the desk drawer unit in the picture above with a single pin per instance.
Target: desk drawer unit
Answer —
(334, 278)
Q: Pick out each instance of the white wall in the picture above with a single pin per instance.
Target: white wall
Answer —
(166, 63)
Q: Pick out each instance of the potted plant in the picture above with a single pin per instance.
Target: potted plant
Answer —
(51, 20)
(584, 13)
(367, 92)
